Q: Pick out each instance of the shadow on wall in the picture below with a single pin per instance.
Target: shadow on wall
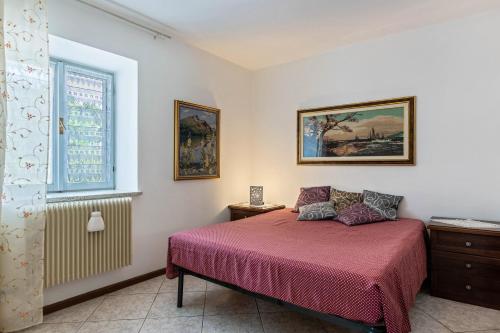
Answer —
(223, 215)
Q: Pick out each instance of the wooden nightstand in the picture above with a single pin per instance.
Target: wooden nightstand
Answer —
(244, 210)
(465, 264)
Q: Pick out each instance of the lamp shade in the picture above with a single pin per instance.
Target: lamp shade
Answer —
(256, 195)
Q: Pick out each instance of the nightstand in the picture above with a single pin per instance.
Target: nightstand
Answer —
(465, 263)
(244, 210)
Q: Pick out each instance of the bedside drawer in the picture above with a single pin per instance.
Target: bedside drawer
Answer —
(466, 265)
(481, 245)
(241, 214)
(468, 289)
(466, 278)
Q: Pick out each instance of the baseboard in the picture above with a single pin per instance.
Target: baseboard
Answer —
(100, 292)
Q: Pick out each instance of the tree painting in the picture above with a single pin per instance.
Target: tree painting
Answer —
(318, 126)
(373, 132)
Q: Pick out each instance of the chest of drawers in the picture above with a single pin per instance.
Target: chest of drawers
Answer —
(465, 264)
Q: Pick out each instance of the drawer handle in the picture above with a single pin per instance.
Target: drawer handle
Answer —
(468, 266)
(468, 244)
(468, 287)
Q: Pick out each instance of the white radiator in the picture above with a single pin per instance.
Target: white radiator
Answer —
(72, 253)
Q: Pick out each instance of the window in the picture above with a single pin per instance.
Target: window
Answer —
(82, 128)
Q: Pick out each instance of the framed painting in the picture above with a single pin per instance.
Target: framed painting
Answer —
(196, 141)
(378, 132)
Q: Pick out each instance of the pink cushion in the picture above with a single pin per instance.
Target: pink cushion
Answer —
(310, 195)
(359, 213)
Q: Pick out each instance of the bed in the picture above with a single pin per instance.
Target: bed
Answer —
(364, 277)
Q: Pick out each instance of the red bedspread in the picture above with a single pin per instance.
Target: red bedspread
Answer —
(367, 273)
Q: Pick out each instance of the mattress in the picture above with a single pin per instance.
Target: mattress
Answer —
(366, 273)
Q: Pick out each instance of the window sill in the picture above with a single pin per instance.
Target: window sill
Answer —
(89, 195)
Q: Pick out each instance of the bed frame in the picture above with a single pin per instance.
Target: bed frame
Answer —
(350, 324)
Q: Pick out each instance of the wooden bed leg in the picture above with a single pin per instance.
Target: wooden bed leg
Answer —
(180, 288)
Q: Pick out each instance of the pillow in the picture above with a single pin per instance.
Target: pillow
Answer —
(359, 213)
(309, 195)
(342, 199)
(385, 204)
(317, 211)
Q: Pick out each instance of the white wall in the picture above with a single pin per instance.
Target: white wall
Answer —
(168, 70)
(452, 68)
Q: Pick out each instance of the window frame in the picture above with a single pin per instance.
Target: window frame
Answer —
(59, 141)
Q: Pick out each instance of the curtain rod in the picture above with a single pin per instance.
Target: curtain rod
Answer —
(156, 33)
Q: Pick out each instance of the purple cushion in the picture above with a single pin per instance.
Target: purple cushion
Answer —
(359, 213)
(310, 195)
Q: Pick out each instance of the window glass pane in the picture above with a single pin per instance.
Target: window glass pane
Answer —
(87, 138)
(52, 102)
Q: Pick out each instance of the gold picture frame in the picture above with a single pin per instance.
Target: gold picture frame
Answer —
(375, 132)
(196, 141)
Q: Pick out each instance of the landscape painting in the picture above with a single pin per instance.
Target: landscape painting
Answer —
(380, 132)
(196, 141)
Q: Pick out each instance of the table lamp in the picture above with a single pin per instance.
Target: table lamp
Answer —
(256, 195)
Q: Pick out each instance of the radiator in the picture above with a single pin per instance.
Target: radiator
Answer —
(73, 253)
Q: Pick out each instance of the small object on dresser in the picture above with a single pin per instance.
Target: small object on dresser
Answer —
(467, 223)
(244, 210)
(256, 195)
(465, 261)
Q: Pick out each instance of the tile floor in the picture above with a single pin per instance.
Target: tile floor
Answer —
(150, 307)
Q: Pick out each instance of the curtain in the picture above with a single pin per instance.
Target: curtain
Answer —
(24, 137)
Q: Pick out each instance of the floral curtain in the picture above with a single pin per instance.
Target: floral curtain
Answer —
(24, 125)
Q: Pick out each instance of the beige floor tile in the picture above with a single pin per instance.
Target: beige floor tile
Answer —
(242, 323)
(191, 283)
(265, 306)
(123, 307)
(147, 287)
(53, 328)
(113, 326)
(423, 323)
(172, 325)
(290, 322)
(74, 314)
(228, 311)
(165, 305)
(214, 286)
(229, 302)
(459, 317)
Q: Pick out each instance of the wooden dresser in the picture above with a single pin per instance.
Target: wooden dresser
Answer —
(244, 210)
(465, 264)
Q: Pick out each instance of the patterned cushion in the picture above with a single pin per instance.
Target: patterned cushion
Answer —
(309, 195)
(342, 199)
(385, 204)
(317, 211)
(359, 213)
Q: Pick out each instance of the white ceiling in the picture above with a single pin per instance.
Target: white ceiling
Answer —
(261, 33)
